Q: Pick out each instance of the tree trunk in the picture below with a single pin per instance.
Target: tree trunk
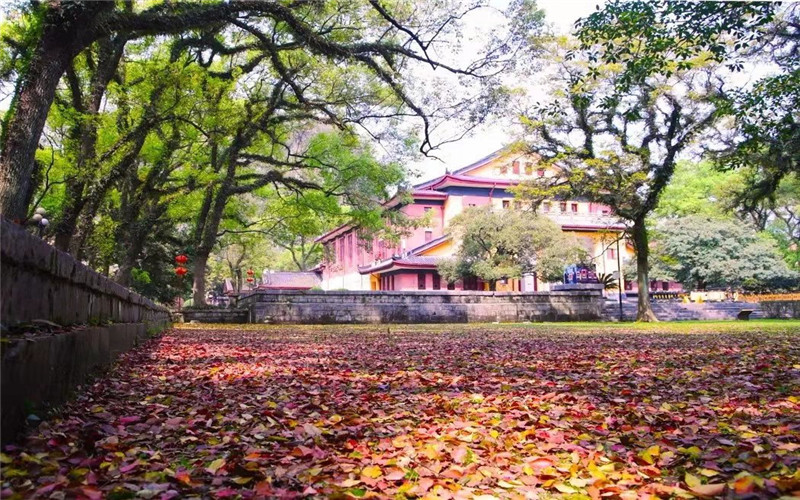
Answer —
(645, 311)
(199, 279)
(64, 35)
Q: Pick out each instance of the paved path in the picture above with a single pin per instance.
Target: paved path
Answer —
(437, 412)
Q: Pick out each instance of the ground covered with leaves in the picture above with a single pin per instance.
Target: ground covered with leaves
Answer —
(431, 411)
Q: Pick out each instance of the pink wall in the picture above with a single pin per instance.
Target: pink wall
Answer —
(417, 236)
(349, 264)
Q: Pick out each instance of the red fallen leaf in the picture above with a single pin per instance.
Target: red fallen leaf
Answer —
(459, 454)
(541, 463)
(225, 493)
(395, 475)
(92, 493)
(44, 490)
(263, 488)
(127, 468)
(128, 420)
(183, 477)
(744, 484)
(708, 490)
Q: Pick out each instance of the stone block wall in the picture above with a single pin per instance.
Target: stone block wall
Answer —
(38, 282)
(216, 315)
(780, 308)
(318, 307)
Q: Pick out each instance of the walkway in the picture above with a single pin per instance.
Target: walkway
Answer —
(443, 411)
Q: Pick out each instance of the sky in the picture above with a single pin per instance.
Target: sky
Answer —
(561, 15)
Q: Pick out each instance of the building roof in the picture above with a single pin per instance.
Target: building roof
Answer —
(407, 262)
(429, 244)
(289, 280)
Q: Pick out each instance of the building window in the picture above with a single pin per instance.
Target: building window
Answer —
(611, 253)
(350, 253)
(471, 204)
(546, 206)
(574, 208)
(562, 207)
(605, 210)
(428, 235)
(504, 169)
(528, 168)
(437, 281)
(665, 286)
(421, 281)
(540, 172)
(515, 167)
(628, 285)
(506, 203)
(451, 285)
(427, 209)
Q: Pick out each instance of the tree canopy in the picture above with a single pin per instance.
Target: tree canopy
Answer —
(701, 252)
(495, 245)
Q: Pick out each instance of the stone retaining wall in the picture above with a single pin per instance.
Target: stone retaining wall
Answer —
(780, 308)
(38, 282)
(569, 303)
(216, 315)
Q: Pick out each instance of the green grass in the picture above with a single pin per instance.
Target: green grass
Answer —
(678, 327)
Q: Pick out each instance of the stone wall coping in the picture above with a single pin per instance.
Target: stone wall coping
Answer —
(22, 249)
(451, 293)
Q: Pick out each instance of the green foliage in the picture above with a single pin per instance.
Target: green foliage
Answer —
(670, 36)
(702, 252)
(698, 189)
(494, 245)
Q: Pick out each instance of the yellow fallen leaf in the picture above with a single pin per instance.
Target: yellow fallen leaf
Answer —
(650, 454)
(5, 459)
(708, 472)
(216, 465)
(595, 471)
(242, 480)
(692, 480)
(373, 471)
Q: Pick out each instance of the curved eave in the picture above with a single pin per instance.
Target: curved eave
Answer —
(572, 227)
(393, 264)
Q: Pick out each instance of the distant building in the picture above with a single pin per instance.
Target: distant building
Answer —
(289, 280)
(353, 264)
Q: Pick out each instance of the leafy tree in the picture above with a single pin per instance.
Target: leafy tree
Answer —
(670, 35)
(619, 150)
(702, 252)
(494, 245)
(369, 44)
(698, 188)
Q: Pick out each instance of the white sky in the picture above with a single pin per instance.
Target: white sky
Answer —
(561, 15)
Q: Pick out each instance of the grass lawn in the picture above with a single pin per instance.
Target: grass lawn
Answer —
(592, 410)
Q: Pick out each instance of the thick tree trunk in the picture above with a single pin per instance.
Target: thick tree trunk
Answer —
(645, 311)
(64, 35)
(199, 278)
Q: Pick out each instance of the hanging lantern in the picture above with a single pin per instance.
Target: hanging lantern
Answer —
(250, 272)
(181, 259)
(250, 280)
(180, 271)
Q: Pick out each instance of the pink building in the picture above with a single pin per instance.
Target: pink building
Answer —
(410, 264)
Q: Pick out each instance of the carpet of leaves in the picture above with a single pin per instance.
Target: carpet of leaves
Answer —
(465, 411)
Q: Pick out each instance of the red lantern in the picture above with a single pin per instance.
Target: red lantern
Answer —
(250, 280)
(250, 272)
(180, 270)
(181, 259)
